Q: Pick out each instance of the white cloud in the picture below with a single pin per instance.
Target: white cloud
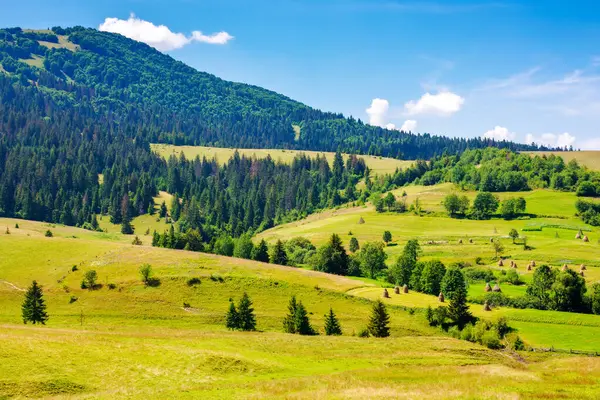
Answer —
(444, 103)
(158, 36)
(409, 125)
(551, 139)
(591, 144)
(378, 112)
(390, 126)
(500, 133)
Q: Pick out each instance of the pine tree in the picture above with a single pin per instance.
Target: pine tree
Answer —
(261, 252)
(458, 310)
(332, 325)
(289, 325)
(34, 307)
(232, 320)
(246, 318)
(278, 254)
(163, 210)
(354, 246)
(301, 321)
(379, 321)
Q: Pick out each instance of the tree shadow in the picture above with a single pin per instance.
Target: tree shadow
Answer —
(153, 282)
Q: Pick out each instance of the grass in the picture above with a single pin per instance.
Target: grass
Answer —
(139, 342)
(590, 159)
(35, 61)
(379, 165)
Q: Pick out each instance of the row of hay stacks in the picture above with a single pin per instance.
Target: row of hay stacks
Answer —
(580, 235)
(496, 288)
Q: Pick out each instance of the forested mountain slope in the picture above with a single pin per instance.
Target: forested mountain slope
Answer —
(119, 80)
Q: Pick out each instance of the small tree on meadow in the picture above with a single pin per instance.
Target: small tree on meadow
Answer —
(379, 321)
(289, 325)
(354, 246)
(303, 326)
(89, 280)
(332, 325)
(245, 314)
(146, 273)
(33, 308)
(387, 237)
(498, 247)
(261, 252)
(163, 210)
(514, 235)
(278, 254)
(458, 309)
(231, 319)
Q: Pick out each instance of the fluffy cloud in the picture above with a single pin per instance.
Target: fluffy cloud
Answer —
(444, 103)
(159, 36)
(409, 125)
(500, 133)
(378, 112)
(551, 139)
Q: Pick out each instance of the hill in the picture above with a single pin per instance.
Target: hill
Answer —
(134, 341)
(590, 159)
(131, 83)
(379, 165)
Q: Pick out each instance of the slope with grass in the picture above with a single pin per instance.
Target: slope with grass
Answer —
(590, 158)
(379, 165)
(138, 342)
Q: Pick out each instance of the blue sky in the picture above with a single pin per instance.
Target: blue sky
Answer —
(518, 70)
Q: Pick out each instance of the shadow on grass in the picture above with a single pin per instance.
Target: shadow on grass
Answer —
(153, 282)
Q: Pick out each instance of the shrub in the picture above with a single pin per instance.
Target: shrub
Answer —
(49, 233)
(474, 275)
(193, 281)
(112, 286)
(491, 340)
(186, 305)
(73, 299)
(74, 268)
(363, 333)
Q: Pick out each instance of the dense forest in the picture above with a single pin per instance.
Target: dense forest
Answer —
(129, 83)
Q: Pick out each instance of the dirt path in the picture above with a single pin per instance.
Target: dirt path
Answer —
(12, 286)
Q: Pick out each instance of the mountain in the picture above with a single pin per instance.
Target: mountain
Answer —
(126, 82)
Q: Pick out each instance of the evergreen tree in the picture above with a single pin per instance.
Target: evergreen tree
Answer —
(301, 321)
(245, 314)
(278, 254)
(332, 325)
(261, 252)
(231, 319)
(34, 307)
(163, 210)
(289, 324)
(379, 321)
(458, 309)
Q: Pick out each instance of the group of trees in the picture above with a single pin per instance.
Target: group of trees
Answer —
(484, 206)
(589, 211)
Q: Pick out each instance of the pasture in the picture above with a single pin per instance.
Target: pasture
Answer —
(589, 158)
(138, 342)
(379, 165)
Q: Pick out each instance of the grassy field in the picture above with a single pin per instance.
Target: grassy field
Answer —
(590, 159)
(139, 342)
(379, 165)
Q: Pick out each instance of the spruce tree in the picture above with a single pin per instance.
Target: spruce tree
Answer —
(301, 321)
(261, 252)
(332, 325)
(289, 325)
(379, 321)
(34, 307)
(458, 310)
(231, 319)
(245, 313)
(278, 254)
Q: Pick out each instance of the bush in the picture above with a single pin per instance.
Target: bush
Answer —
(491, 340)
(363, 333)
(112, 286)
(49, 233)
(193, 281)
(474, 275)
(73, 299)
(74, 268)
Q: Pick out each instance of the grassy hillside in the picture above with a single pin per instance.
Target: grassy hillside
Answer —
(590, 159)
(379, 165)
(139, 342)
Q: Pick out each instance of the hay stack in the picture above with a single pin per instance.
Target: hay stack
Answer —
(470, 240)
(529, 267)
(397, 290)
(565, 267)
(512, 263)
(515, 265)
(361, 221)
(501, 263)
(533, 263)
(460, 241)
(488, 287)
(583, 267)
(441, 297)
(578, 236)
(405, 289)
(386, 294)
(581, 273)
(496, 288)
(491, 240)
(486, 307)
(586, 239)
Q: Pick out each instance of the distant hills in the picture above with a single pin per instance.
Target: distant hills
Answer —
(113, 80)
